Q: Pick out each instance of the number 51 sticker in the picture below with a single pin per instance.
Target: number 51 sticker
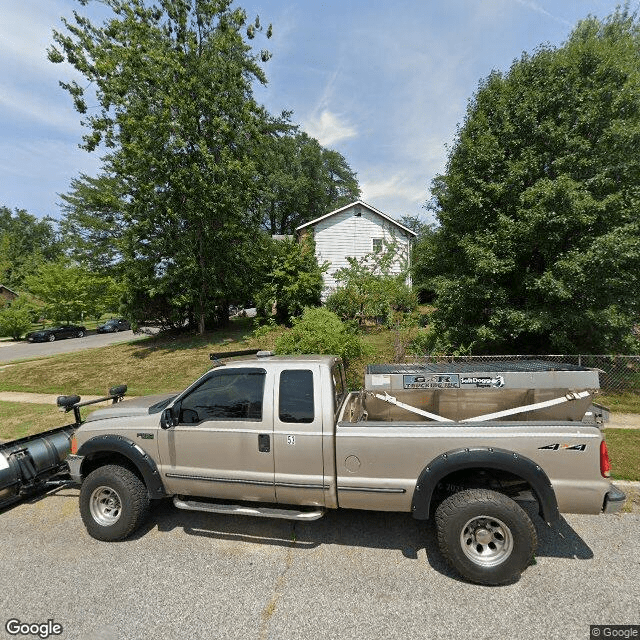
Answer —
(291, 439)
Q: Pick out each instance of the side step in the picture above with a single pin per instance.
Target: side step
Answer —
(244, 510)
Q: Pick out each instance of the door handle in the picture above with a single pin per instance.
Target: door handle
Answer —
(264, 443)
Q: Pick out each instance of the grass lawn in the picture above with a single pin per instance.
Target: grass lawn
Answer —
(624, 452)
(626, 402)
(157, 365)
(149, 366)
(18, 420)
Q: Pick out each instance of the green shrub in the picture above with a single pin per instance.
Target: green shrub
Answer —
(293, 282)
(15, 319)
(320, 331)
(369, 291)
(423, 343)
(265, 329)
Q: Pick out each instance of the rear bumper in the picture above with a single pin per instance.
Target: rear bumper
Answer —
(613, 500)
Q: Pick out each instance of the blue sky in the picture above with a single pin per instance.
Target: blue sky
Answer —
(385, 82)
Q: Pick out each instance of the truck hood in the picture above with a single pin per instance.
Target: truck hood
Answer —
(135, 407)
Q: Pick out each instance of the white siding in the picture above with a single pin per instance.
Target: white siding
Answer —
(347, 235)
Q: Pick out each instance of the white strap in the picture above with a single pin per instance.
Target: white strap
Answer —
(530, 407)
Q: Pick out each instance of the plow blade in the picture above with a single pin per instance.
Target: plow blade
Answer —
(27, 464)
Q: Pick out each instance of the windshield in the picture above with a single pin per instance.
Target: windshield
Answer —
(159, 406)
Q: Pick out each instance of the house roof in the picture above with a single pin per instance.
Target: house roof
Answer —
(361, 203)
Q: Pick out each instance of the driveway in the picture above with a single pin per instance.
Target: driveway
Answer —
(22, 350)
(349, 575)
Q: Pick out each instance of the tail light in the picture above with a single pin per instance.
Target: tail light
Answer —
(74, 445)
(605, 463)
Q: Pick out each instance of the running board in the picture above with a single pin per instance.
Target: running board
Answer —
(244, 510)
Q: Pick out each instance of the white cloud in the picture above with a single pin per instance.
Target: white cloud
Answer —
(328, 128)
(40, 109)
(534, 6)
(399, 185)
(34, 171)
(25, 34)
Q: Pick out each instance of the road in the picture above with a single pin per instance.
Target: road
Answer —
(349, 575)
(24, 350)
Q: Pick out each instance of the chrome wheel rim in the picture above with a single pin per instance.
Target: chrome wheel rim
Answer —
(105, 506)
(486, 541)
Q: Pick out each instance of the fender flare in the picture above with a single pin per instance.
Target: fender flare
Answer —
(486, 458)
(133, 452)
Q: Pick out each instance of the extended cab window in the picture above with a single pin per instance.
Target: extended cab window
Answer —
(232, 394)
(296, 396)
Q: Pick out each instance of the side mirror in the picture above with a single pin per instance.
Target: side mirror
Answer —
(165, 419)
(170, 417)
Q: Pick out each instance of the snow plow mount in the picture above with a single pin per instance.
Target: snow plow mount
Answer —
(73, 403)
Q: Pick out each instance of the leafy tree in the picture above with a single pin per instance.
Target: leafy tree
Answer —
(319, 330)
(15, 319)
(173, 81)
(539, 245)
(25, 243)
(425, 264)
(301, 181)
(70, 292)
(418, 226)
(368, 289)
(293, 280)
(93, 225)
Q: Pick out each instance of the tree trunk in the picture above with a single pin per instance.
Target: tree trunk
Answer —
(202, 300)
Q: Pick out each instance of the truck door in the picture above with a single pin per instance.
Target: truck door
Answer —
(299, 468)
(222, 446)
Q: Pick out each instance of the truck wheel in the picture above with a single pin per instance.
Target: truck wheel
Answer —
(114, 502)
(485, 536)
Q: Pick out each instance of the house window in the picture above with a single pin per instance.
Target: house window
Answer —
(377, 245)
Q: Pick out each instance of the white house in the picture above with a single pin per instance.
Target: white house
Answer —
(355, 231)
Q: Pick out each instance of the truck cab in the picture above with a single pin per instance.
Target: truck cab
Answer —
(255, 431)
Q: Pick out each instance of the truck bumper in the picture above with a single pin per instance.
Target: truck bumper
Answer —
(613, 500)
(75, 462)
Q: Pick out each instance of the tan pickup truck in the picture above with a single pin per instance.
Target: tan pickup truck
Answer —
(281, 437)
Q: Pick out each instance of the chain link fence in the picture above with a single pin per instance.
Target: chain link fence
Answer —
(618, 374)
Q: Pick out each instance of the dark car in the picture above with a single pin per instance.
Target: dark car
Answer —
(57, 333)
(114, 325)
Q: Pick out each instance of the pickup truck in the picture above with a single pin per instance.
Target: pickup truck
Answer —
(276, 436)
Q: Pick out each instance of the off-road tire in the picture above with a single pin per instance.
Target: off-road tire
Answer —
(486, 536)
(114, 502)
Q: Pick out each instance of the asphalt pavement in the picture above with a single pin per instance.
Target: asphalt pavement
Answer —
(349, 575)
(26, 350)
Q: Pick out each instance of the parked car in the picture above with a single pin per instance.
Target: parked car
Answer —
(57, 333)
(114, 325)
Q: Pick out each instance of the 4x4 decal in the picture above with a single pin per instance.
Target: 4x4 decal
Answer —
(567, 447)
